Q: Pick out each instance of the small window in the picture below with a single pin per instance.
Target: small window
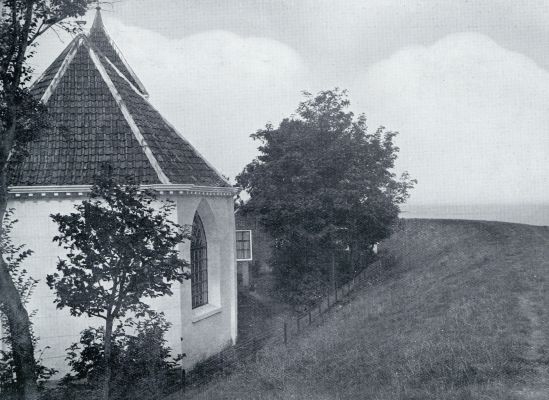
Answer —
(244, 245)
(199, 264)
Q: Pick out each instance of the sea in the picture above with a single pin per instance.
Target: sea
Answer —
(531, 214)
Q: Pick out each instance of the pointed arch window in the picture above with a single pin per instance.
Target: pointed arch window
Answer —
(199, 264)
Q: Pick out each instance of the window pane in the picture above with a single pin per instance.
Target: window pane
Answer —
(199, 264)
(243, 245)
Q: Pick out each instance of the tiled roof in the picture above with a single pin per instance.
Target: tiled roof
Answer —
(42, 83)
(100, 114)
(101, 40)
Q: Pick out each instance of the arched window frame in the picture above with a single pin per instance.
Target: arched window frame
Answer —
(199, 264)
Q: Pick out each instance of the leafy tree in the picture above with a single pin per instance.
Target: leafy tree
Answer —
(140, 357)
(322, 183)
(13, 255)
(25, 284)
(121, 250)
(22, 22)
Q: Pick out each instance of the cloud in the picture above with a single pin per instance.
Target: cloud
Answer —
(216, 87)
(472, 116)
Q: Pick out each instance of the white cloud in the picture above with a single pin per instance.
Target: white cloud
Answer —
(216, 87)
(472, 115)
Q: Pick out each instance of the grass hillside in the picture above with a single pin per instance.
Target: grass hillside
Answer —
(461, 311)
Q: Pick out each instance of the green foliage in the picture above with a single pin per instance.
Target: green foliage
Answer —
(14, 256)
(22, 23)
(25, 284)
(32, 120)
(22, 117)
(141, 361)
(323, 183)
(120, 250)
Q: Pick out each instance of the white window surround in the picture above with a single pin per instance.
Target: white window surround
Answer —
(199, 264)
(205, 311)
(251, 246)
(215, 265)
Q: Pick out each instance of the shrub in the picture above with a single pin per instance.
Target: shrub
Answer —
(304, 277)
(142, 366)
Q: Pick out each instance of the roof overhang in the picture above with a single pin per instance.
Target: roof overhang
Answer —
(21, 192)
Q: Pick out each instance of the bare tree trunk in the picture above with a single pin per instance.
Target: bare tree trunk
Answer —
(20, 339)
(108, 356)
(18, 319)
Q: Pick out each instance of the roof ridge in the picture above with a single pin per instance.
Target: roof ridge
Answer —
(162, 119)
(98, 20)
(127, 115)
(136, 90)
(100, 114)
(74, 46)
(70, 51)
(98, 28)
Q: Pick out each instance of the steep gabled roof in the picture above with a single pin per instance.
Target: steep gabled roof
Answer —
(100, 114)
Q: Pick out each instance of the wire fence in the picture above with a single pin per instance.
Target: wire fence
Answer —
(283, 331)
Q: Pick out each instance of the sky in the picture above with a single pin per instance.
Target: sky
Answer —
(465, 83)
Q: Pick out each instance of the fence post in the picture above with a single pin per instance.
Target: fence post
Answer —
(310, 319)
(336, 293)
(334, 280)
(298, 324)
(320, 309)
(285, 333)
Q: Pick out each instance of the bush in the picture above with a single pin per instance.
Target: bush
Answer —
(301, 276)
(304, 276)
(142, 366)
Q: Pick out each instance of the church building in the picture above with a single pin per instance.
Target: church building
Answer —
(101, 114)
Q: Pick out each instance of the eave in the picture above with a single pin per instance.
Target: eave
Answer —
(66, 191)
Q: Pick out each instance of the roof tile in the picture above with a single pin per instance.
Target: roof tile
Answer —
(90, 128)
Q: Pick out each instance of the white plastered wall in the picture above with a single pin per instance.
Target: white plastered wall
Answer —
(199, 333)
(210, 328)
(56, 329)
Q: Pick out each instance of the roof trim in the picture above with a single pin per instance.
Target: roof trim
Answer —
(133, 75)
(62, 69)
(136, 90)
(98, 25)
(129, 119)
(169, 189)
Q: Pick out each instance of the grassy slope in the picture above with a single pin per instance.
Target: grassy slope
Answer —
(461, 313)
